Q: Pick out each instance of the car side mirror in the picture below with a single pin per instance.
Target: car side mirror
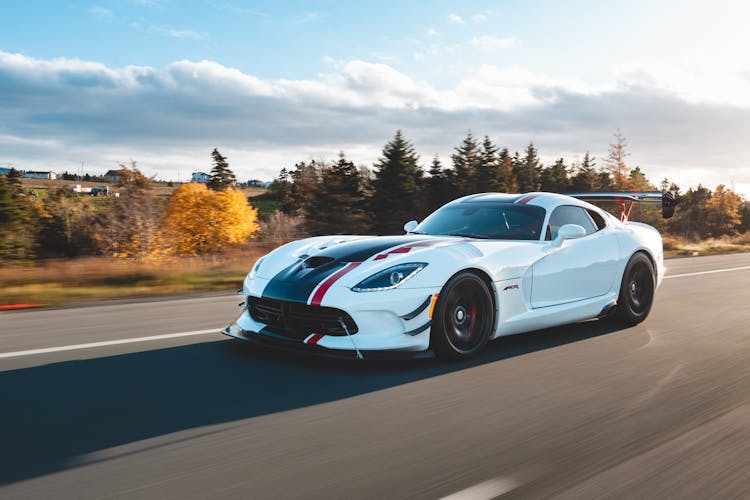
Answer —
(568, 232)
(410, 226)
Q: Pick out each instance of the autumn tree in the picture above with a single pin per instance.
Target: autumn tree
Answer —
(200, 221)
(221, 176)
(397, 187)
(337, 205)
(723, 212)
(128, 226)
(615, 162)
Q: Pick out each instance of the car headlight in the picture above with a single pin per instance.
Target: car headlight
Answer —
(255, 268)
(389, 278)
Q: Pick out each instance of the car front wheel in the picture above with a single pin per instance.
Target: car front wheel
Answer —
(463, 318)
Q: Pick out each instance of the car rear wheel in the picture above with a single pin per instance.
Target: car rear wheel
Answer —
(463, 318)
(636, 291)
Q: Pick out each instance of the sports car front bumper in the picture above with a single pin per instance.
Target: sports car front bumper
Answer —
(393, 324)
(268, 339)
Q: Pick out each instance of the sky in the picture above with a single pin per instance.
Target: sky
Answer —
(163, 82)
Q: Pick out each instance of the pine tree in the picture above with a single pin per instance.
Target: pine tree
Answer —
(466, 161)
(555, 178)
(305, 183)
(507, 180)
(338, 205)
(487, 177)
(222, 176)
(439, 189)
(584, 177)
(527, 170)
(397, 187)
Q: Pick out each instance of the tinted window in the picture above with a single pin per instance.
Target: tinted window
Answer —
(567, 214)
(597, 218)
(490, 220)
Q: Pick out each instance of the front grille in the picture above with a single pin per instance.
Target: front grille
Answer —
(295, 320)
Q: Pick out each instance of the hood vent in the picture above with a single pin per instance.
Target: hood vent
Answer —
(313, 262)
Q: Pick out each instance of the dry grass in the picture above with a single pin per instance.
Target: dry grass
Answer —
(62, 281)
(678, 247)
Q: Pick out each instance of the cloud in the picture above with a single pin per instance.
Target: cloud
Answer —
(101, 12)
(59, 112)
(479, 18)
(432, 32)
(487, 42)
(455, 19)
(177, 33)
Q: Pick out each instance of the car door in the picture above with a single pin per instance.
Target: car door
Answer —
(579, 269)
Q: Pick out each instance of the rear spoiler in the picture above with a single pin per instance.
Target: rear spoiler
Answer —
(666, 199)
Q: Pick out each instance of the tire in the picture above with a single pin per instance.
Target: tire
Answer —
(464, 317)
(636, 291)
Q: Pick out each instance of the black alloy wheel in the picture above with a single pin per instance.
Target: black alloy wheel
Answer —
(463, 318)
(636, 290)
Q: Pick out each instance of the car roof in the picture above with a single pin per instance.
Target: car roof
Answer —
(546, 200)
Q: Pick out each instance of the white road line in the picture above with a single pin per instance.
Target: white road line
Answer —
(486, 490)
(707, 272)
(75, 347)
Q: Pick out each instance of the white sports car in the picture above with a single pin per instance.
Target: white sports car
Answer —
(480, 267)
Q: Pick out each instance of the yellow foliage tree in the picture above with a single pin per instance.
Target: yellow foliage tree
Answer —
(199, 220)
(723, 212)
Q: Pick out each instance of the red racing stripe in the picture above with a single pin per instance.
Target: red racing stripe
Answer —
(314, 338)
(320, 291)
(526, 199)
(407, 247)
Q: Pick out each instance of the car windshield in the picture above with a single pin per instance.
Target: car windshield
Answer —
(485, 220)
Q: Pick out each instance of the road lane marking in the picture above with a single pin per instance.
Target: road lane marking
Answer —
(707, 272)
(486, 490)
(90, 345)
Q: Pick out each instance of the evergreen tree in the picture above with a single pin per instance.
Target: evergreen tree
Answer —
(222, 176)
(584, 177)
(466, 161)
(281, 190)
(487, 177)
(397, 187)
(337, 206)
(439, 189)
(555, 178)
(527, 170)
(507, 182)
(305, 182)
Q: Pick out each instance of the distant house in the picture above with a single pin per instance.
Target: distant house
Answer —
(254, 183)
(31, 174)
(201, 177)
(4, 171)
(112, 176)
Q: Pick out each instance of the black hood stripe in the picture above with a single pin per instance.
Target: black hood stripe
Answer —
(297, 283)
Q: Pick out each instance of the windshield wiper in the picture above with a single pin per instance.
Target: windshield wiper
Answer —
(470, 235)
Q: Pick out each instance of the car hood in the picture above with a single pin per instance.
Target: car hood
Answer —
(295, 270)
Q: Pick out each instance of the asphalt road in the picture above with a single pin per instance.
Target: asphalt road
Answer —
(661, 410)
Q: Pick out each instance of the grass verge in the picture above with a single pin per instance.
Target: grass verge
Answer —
(81, 280)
